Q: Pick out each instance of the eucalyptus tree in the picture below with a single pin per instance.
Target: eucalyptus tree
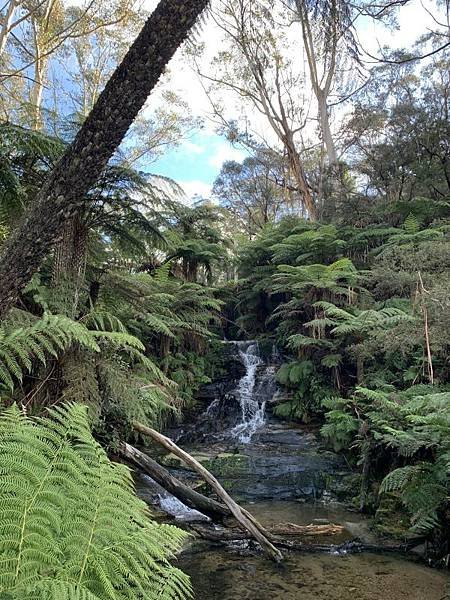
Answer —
(397, 136)
(254, 191)
(7, 23)
(328, 40)
(256, 68)
(64, 193)
(45, 29)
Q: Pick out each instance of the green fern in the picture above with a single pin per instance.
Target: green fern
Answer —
(70, 524)
(50, 335)
(411, 224)
(423, 490)
(331, 361)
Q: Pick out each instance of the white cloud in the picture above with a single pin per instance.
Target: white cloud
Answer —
(191, 148)
(195, 187)
(224, 152)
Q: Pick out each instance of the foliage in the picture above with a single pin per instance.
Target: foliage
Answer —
(124, 312)
(71, 526)
(359, 330)
(99, 322)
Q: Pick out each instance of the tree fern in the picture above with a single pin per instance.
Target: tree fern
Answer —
(423, 488)
(20, 346)
(70, 524)
(298, 341)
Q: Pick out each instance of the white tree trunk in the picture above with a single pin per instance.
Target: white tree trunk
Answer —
(6, 24)
(37, 92)
(328, 140)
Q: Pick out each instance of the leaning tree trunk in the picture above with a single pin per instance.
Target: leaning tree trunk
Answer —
(64, 193)
(7, 23)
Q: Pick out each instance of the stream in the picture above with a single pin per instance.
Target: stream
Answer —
(282, 474)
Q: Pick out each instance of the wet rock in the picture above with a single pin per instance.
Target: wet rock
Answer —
(283, 437)
(171, 460)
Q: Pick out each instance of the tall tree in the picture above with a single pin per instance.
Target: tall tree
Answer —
(257, 67)
(7, 23)
(64, 192)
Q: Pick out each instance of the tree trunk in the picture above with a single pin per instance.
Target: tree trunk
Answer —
(175, 487)
(6, 25)
(352, 547)
(69, 264)
(421, 291)
(64, 193)
(300, 179)
(326, 129)
(37, 91)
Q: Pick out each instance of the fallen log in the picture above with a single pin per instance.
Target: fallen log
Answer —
(225, 536)
(276, 533)
(207, 505)
(245, 520)
(292, 529)
(170, 483)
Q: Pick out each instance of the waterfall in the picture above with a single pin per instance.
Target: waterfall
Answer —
(252, 391)
(238, 408)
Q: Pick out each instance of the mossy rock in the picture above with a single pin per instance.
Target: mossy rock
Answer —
(228, 465)
(224, 464)
(344, 486)
(171, 460)
(390, 518)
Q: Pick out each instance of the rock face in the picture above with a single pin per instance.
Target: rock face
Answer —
(234, 406)
(282, 462)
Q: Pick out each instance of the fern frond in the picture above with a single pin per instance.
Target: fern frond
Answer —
(70, 524)
(50, 335)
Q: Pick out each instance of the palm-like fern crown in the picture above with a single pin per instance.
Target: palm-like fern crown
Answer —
(71, 525)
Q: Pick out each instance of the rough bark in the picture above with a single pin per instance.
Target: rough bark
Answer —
(64, 193)
(245, 520)
(175, 487)
(69, 264)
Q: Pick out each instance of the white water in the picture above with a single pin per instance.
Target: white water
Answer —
(169, 504)
(252, 401)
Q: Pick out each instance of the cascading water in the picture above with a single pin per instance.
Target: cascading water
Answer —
(252, 392)
(238, 412)
(154, 494)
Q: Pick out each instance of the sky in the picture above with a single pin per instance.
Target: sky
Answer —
(197, 161)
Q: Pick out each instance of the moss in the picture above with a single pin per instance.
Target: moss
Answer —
(390, 518)
(345, 487)
(228, 465)
(171, 460)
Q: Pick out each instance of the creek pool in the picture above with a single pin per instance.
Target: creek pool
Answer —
(219, 574)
